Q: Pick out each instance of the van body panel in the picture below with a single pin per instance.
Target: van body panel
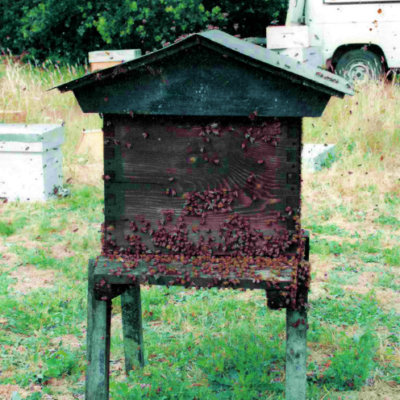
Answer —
(334, 23)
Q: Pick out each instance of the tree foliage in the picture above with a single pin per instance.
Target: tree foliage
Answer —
(66, 30)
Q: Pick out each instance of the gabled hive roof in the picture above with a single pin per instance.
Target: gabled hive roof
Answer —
(280, 65)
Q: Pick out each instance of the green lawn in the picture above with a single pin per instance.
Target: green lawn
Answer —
(211, 344)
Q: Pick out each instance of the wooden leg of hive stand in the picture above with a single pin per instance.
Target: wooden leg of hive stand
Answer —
(132, 327)
(296, 354)
(98, 344)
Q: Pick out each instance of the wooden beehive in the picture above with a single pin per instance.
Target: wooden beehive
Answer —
(202, 145)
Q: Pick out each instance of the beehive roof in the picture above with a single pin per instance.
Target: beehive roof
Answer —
(281, 65)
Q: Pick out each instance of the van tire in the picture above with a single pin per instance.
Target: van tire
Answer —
(357, 64)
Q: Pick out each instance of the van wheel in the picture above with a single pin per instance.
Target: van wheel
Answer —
(359, 65)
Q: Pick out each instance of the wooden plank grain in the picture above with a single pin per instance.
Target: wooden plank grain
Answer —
(131, 308)
(178, 158)
(194, 151)
(198, 173)
(98, 343)
(272, 274)
(296, 354)
(148, 210)
(176, 150)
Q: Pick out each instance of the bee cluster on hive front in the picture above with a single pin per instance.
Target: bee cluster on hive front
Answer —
(206, 203)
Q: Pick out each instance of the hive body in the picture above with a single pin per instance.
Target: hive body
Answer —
(30, 161)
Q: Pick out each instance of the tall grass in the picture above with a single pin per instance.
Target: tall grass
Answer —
(364, 125)
(24, 87)
(366, 131)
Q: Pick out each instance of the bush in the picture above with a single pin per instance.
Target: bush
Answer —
(66, 31)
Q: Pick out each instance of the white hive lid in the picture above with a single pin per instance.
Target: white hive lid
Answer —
(37, 133)
(114, 55)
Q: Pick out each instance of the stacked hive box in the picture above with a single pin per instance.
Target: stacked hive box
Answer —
(30, 161)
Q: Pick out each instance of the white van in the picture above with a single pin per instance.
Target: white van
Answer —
(354, 38)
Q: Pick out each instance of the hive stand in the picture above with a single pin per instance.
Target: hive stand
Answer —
(99, 338)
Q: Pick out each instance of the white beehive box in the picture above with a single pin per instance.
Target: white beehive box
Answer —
(30, 161)
(286, 37)
(313, 156)
(108, 58)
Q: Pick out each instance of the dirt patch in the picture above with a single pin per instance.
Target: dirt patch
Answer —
(6, 391)
(387, 298)
(30, 278)
(249, 295)
(364, 394)
(22, 241)
(367, 227)
(318, 290)
(74, 227)
(319, 353)
(61, 251)
(367, 279)
(60, 387)
(320, 268)
(10, 349)
(68, 341)
(339, 239)
(89, 174)
(7, 258)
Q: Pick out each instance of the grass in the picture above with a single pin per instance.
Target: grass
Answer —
(209, 344)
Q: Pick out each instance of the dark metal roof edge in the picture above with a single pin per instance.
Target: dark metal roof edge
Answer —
(272, 69)
(131, 65)
(283, 62)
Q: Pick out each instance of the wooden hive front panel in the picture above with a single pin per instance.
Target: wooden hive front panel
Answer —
(196, 188)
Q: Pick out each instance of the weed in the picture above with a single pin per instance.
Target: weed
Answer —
(371, 258)
(388, 281)
(346, 267)
(347, 310)
(392, 198)
(58, 363)
(329, 229)
(51, 311)
(348, 278)
(336, 291)
(392, 256)
(388, 220)
(325, 214)
(6, 229)
(36, 257)
(350, 367)
(33, 396)
(344, 210)
(358, 216)
(5, 282)
(330, 160)
(371, 244)
(326, 247)
(351, 145)
(46, 227)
